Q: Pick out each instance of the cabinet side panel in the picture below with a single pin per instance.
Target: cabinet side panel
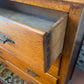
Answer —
(70, 37)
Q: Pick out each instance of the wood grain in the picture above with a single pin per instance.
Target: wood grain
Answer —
(52, 4)
(18, 72)
(54, 41)
(27, 42)
(44, 77)
(73, 24)
(57, 38)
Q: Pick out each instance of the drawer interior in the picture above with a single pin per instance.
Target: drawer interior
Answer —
(37, 17)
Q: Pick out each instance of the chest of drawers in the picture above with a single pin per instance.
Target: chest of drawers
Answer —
(28, 73)
(32, 34)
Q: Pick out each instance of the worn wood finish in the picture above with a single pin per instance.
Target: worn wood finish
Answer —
(74, 18)
(52, 4)
(54, 68)
(75, 1)
(54, 40)
(24, 48)
(57, 38)
(18, 72)
(43, 77)
(73, 24)
(35, 36)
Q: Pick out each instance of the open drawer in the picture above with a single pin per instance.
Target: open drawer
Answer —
(32, 34)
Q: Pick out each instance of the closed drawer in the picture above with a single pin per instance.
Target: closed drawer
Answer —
(45, 78)
(18, 72)
(27, 77)
(34, 35)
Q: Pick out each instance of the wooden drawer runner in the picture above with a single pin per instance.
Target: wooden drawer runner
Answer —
(27, 77)
(31, 36)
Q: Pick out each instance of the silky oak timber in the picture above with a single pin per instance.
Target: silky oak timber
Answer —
(54, 69)
(74, 19)
(42, 78)
(75, 11)
(38, 34)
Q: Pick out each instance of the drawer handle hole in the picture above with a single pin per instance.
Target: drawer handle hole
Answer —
(32, 73)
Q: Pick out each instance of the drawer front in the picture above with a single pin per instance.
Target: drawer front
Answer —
(27, 77)
(18, 72)
(24, 42)
(45, 78)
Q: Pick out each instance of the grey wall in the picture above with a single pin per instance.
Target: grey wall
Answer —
(4, 3)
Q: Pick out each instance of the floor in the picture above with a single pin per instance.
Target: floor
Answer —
(78, 77)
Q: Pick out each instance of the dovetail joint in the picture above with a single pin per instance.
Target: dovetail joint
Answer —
(48, 49)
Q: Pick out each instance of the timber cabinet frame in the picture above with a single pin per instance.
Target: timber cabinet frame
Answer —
(75, 11)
